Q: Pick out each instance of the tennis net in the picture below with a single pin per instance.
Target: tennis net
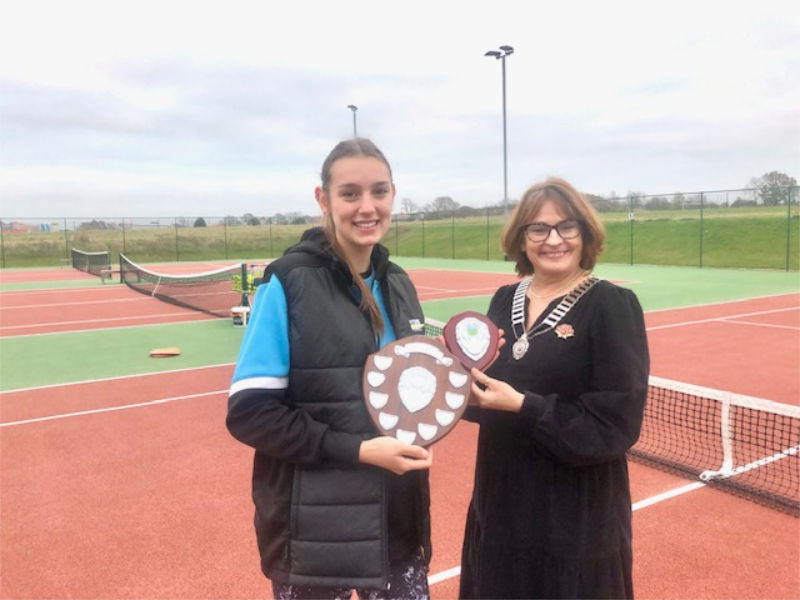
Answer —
(744, 445)
(213, 292)
(91, 262)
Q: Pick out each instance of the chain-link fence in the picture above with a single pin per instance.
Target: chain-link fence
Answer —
(730, 228)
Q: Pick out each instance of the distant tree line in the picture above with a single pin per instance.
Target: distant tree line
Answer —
(292, 218)
(771, 189)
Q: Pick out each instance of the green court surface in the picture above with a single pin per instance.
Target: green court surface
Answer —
(50, 285)
(656, 287)
(46, 359)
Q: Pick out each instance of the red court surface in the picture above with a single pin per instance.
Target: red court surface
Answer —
(68, 273)
(132, 487)
(750, 347)
(76, 309)
(37, 275)
(153, 501)
(435, 284)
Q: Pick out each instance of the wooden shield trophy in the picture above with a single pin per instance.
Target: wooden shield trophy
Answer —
(472, 338)
(415, 390)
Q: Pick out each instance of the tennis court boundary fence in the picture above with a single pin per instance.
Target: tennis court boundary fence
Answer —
(639, 230)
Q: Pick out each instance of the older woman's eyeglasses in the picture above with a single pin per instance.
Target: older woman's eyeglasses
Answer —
(539, 232)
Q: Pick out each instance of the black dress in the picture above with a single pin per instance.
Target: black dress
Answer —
(550, 515)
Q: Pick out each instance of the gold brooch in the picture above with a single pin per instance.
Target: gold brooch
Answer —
(565, 331)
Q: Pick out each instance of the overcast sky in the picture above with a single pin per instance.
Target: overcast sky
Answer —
(119, 108)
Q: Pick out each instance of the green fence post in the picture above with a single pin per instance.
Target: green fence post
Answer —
(271, 251)
(630, 228)
(701, 229)
(396, 234)
(177, 253)
(2, 247)
(788, 224)
(487, 233)
(453, 233)
(67, 253)
(124, 250)
(423, 235)
(245, 286)
(225, 234)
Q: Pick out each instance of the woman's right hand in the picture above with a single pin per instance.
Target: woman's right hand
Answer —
(392, 454)
(494, 394)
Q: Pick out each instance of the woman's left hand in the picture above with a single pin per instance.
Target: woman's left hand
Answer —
(494, 394)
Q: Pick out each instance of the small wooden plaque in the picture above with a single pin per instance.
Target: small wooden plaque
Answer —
(415, 390)
(472, 338)
(165, 352)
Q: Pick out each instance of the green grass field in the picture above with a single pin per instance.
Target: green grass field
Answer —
(744, 237)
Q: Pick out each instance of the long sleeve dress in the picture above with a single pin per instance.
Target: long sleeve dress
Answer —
(550, 515)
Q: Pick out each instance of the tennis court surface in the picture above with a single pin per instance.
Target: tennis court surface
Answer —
(119, 480)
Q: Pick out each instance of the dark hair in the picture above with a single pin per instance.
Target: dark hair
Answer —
(349, 148)
(572, 203)
(346, 149)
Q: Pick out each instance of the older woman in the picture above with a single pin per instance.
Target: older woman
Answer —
(550, 515)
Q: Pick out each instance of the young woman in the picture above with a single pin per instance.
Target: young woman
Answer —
(550, 515)
(337, 506)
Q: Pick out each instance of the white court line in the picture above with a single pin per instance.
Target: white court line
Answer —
(452, 298)
(748, 299)
(685, 489)
(429, 288)
(179, 314)
(59, 290)
(110, 409)
(78, 303)
(114, 378)
(115, 328)
(722, 319)
(756, 324)
(444, 575)
(460, 292)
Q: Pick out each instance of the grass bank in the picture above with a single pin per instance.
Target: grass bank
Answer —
(743, 238)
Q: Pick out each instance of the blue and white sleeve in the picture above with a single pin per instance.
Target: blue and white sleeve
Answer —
(259, 413)
(263, 361)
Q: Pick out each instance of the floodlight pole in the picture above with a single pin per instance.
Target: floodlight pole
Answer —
(354, 108)
(501, 55)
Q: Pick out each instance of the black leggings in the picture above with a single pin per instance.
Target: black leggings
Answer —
(408, 580)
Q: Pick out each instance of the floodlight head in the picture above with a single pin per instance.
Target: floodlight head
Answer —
(507, 49)
(494, 53)
(352, 107)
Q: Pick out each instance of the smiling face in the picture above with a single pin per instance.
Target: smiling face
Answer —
(554, 258)
(358, 201)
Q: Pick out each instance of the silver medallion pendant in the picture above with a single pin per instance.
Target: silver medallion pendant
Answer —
(520, 347)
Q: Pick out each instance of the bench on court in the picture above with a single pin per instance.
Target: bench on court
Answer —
(107, 274)
(240, 315)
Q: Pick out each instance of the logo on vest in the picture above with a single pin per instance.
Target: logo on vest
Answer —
(416, 325)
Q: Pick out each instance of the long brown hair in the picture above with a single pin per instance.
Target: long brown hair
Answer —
(346, 149)
(572, 203)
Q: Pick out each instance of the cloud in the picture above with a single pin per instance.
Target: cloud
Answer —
(169, 108)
